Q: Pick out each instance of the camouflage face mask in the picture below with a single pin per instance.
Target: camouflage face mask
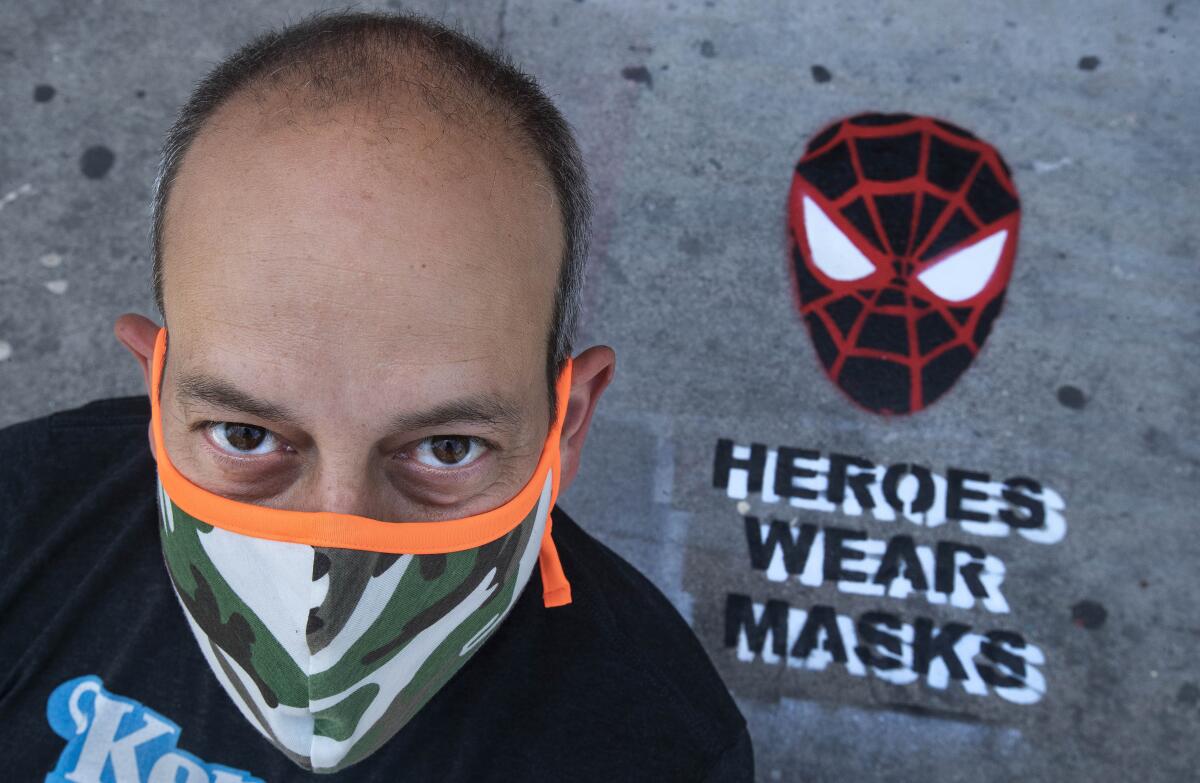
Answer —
(330, 631)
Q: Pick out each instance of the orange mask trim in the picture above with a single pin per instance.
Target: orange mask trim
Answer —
(350, 531)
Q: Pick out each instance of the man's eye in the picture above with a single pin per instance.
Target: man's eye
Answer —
(449, 451)
(235, 438)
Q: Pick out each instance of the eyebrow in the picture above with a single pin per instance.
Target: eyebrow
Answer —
(481, 408)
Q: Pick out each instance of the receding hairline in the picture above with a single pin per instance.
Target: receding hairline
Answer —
(416, 77)
(257, 112)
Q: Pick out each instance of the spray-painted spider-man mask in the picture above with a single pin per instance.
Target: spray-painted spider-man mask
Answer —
(903, 234)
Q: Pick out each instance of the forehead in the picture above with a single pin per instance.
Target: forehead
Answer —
(368, 248)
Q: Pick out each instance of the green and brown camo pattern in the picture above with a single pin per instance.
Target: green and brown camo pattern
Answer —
(430, 587)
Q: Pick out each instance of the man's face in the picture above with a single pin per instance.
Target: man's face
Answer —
(358, 323)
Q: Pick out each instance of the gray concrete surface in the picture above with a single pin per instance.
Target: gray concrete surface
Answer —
(692, 115)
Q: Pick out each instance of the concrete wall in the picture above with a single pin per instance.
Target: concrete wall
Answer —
(692, 116)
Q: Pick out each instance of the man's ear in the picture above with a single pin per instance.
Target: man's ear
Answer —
(591, 372)
(138, 333)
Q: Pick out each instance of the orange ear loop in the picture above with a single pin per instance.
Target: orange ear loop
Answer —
(350, 531)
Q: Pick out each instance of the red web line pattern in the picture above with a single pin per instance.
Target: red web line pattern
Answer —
(919, 186)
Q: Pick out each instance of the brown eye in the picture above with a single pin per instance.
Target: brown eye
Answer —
(236, 438)
(243, 437)
(449, 451)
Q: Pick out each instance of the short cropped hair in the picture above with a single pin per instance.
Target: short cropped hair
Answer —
(340, 57)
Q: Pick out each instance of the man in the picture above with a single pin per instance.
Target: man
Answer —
(368, 237)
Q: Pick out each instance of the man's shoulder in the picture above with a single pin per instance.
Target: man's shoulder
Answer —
(106, 412)
(63, 453)
(32, 437)
(624, 598)
(665, 676)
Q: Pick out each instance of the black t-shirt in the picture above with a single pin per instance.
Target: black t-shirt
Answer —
(613, 687)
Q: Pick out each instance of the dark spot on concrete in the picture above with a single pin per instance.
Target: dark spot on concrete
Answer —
(1169, 10)
(692, 245)
(707, 49)
(96, 161)
(1088, 614)
(716, 164)
(1061, 255)
(140, 93)
(43, 93)
(641, 49)
(1071, 397)
(821, 74)
(1156, 440)
(1161, 29)
(1188, 695)
(554, 20)
(1089, 63)
(639, 74)
(664, 66)
(954, 77)
(1142, 583)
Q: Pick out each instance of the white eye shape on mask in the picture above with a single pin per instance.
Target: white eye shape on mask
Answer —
(832, 251)
(963, 274)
